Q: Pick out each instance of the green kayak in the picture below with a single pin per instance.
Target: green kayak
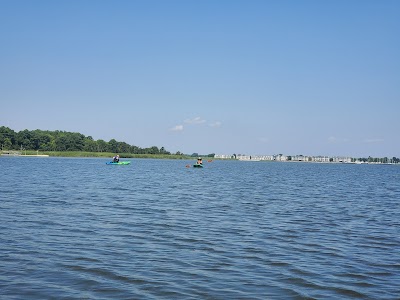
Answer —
(118, 163)
(197, 166)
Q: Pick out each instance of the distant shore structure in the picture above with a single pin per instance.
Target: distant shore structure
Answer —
(10, 153)
(296, 158)
(18, 153)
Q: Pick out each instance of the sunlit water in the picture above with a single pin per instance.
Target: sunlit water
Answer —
(81, 229)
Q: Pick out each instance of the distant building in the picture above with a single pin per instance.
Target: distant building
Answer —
(223, 156)
(281, 157)
(341, 159)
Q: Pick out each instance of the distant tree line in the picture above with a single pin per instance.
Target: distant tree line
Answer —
(382, 160)
(45, 140)
(204, 155)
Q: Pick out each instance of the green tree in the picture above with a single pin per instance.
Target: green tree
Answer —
(101, 145)
(90, 145)
(23, 139)
(113, 146)
(35, 140)
(7, 144)
(124, 147)
(75, 141)
(134, 149)
(153, 150)
(10, 135)
(67, 141)
(163, 151)
(45, 141)
(61, 143)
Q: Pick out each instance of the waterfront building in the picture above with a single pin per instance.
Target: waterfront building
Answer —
(281, 157)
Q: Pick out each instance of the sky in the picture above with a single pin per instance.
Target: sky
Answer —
(244, 77)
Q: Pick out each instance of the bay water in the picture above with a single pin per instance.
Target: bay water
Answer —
(76, 228)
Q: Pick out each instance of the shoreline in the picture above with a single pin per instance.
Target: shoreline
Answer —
(109, 155)
(34, 155)
(83, 154)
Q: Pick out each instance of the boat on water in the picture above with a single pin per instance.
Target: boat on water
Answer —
(118, 163)
(199, 163)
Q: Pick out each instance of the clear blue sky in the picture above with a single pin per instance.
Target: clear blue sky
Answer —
(249, 77)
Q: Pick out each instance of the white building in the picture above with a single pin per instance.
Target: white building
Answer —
(223, 156)
(323, 159)
(280, 157)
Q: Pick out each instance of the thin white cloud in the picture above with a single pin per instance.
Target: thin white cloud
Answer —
(369, 141)
(177, 128)
(196, 120)
(335, 140)
(216, 124)
(263, 140)
(331, 139)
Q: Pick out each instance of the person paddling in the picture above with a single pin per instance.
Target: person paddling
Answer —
(199, 161)
(116, 158)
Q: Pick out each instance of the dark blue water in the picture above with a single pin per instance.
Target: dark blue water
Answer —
(80, 229)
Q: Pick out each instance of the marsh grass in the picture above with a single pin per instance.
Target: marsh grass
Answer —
(104, 154)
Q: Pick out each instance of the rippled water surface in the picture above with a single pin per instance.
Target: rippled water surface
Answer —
(81, 229)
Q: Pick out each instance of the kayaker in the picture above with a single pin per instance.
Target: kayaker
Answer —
(199, 161)
(116, 158)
